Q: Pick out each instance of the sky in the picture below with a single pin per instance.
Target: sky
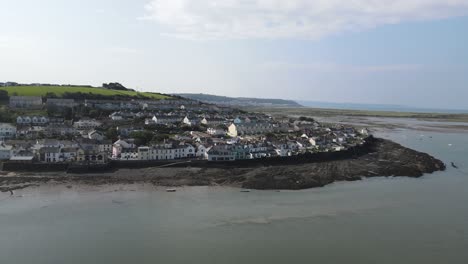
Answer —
(399, 52)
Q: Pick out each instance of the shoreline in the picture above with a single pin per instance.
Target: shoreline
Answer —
(114, 165)
(385, 158)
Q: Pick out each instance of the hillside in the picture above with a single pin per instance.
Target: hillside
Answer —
(240, 101)
(61, 90)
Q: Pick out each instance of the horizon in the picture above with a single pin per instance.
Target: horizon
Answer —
(302, 102)
(406, 53)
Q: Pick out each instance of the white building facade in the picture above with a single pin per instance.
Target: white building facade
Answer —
(7, 131)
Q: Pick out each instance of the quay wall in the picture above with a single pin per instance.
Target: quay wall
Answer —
(353, 152)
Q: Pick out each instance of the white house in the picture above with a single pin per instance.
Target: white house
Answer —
(167, 119)
(122, 147)
(221, 153)
(287, 148)
(22, 156)
(23, 120)
(53, 130)
(34, 120)
(105, 146)
(96, 135)
(58, 102)
(243, 129)
(69, 154)
(216, 131)
(202, 151)
(312, 141)
(50, 154)
(364, 132)
(86, 124)
(53, 143)
(216, 121)
(129, 154)
(167, 152)
(116, 116)
(27, 102)
(187, 121)
(157, 153)
(190, 151)
(5, 151)
(7, 131)
(39, 120)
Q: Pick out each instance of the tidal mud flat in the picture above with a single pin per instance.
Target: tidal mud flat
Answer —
(384, 158)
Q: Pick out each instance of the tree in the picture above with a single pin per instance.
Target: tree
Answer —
(115, 86)
(52, 110)
(160, 138)
(142, 137)
(4, 95)
(68, 113)
(51, 95)
(6, 116)
(270, 136)
(304, 118)
(112, 134)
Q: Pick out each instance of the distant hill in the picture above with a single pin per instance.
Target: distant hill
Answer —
(239, 101)
(60, 91)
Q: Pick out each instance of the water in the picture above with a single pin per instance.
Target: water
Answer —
(378, 220)
(379, 107)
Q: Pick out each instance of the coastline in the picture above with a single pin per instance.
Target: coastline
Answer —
(386, 158)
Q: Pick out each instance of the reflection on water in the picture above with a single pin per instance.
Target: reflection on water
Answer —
(378, 220)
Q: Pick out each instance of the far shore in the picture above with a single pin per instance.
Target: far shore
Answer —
(330, 113)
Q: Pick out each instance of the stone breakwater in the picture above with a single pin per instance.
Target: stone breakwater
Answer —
(382, 158)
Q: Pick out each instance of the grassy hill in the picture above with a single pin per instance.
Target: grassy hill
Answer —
(240, 101)
(60, 90)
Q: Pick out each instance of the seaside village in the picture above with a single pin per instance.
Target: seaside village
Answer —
(55, 130)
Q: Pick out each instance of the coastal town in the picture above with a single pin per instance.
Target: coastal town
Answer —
(53, 130)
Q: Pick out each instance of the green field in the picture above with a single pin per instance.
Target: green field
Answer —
(60, 90)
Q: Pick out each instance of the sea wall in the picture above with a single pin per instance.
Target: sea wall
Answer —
(34, 167)
(350, 153)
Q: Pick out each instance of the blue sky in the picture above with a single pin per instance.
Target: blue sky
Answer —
(410, 52)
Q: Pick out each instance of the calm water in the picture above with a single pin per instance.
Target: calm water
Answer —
(380, 220)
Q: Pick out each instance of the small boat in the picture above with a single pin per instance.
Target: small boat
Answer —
(245, 191)
(117, 202)
(171, 190)
(455, 166)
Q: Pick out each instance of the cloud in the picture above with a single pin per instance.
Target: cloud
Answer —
(123, 50)
(307, 19)
(340, 68)
(8, 41)
(17, 42)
